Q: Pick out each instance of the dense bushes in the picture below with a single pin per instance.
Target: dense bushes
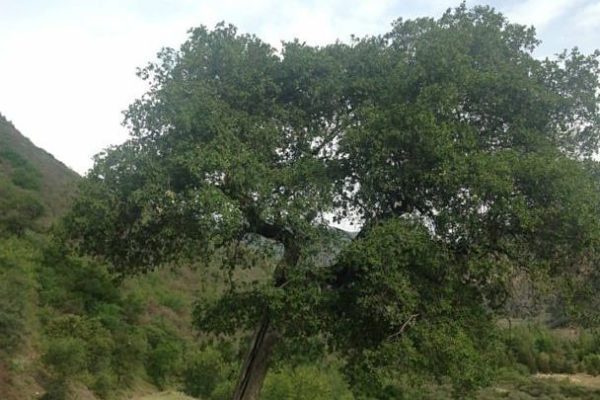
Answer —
(15, 292)
(19, 209)
(20, 204)
(208, 375)
(23, 173)
(163, 357)
(306, 382)
(87, 316)
(542, 350)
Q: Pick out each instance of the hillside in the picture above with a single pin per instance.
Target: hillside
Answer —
(32, 182)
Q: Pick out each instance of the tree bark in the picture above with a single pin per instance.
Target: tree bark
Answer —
(254, 369)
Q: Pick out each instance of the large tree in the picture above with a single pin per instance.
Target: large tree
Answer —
(464, 157)
(464, 134)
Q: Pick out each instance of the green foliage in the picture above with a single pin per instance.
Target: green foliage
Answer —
(542, 350)
(15, 293)
(57, 390)
(19, 209)
(591, 364)
(21, 203)
(466, 158)
(164, 355)
(83, 305)
(26, 170)
(206, 375)
(66, 356)
(307, 382)
(23, 174)
(74, 285)
(104, 383)
(128, 354)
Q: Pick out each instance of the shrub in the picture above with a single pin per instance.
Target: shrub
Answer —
(204, 373)
(19, 210)
(591, 364)
(543, 362)
(58, 389)
(162, 362)
(588, 343)
(307, 382)
(539, 349)
(223, 391)
(15, 285)
(559, 363)
(66, 356)
(130, 347)
(163, 357)
(26, 178)
(12, 307)
(105, 382)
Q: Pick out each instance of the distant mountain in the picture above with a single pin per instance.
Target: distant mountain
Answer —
(35, 188)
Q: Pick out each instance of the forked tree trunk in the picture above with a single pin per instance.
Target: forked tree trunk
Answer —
(254, 370)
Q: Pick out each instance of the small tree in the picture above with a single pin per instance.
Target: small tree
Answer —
(460, 151)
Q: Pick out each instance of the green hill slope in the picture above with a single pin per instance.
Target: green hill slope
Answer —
(33, 184)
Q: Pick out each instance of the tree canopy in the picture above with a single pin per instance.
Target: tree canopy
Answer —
(464, 157)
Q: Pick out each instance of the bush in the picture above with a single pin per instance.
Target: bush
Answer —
(223, 391)
(588, 343)
(204, 373)
(66, 356)
(591, 364)
(164, 355)
(15, 285)
(162, 362)
(130, 347)
(521, 344)
(57, 390)
(19, 210)
(105, 382)
(26, 178)
(543, 362)
(539, 349)
(306, 382)
(12, 308)
(23, 173)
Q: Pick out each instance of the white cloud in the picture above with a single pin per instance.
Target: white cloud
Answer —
(540, 13)
(588, 18)
(68, 70)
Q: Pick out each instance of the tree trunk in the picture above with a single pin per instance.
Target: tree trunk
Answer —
(254, 370)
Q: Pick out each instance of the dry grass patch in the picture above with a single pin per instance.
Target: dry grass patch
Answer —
(168, 395)
(589, 381)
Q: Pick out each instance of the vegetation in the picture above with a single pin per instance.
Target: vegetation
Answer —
(34, 187)
(466, 159)
(199, 255)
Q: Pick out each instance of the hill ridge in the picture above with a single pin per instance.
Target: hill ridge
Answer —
(28, 170)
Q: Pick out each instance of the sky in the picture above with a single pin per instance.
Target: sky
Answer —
(67, 67)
